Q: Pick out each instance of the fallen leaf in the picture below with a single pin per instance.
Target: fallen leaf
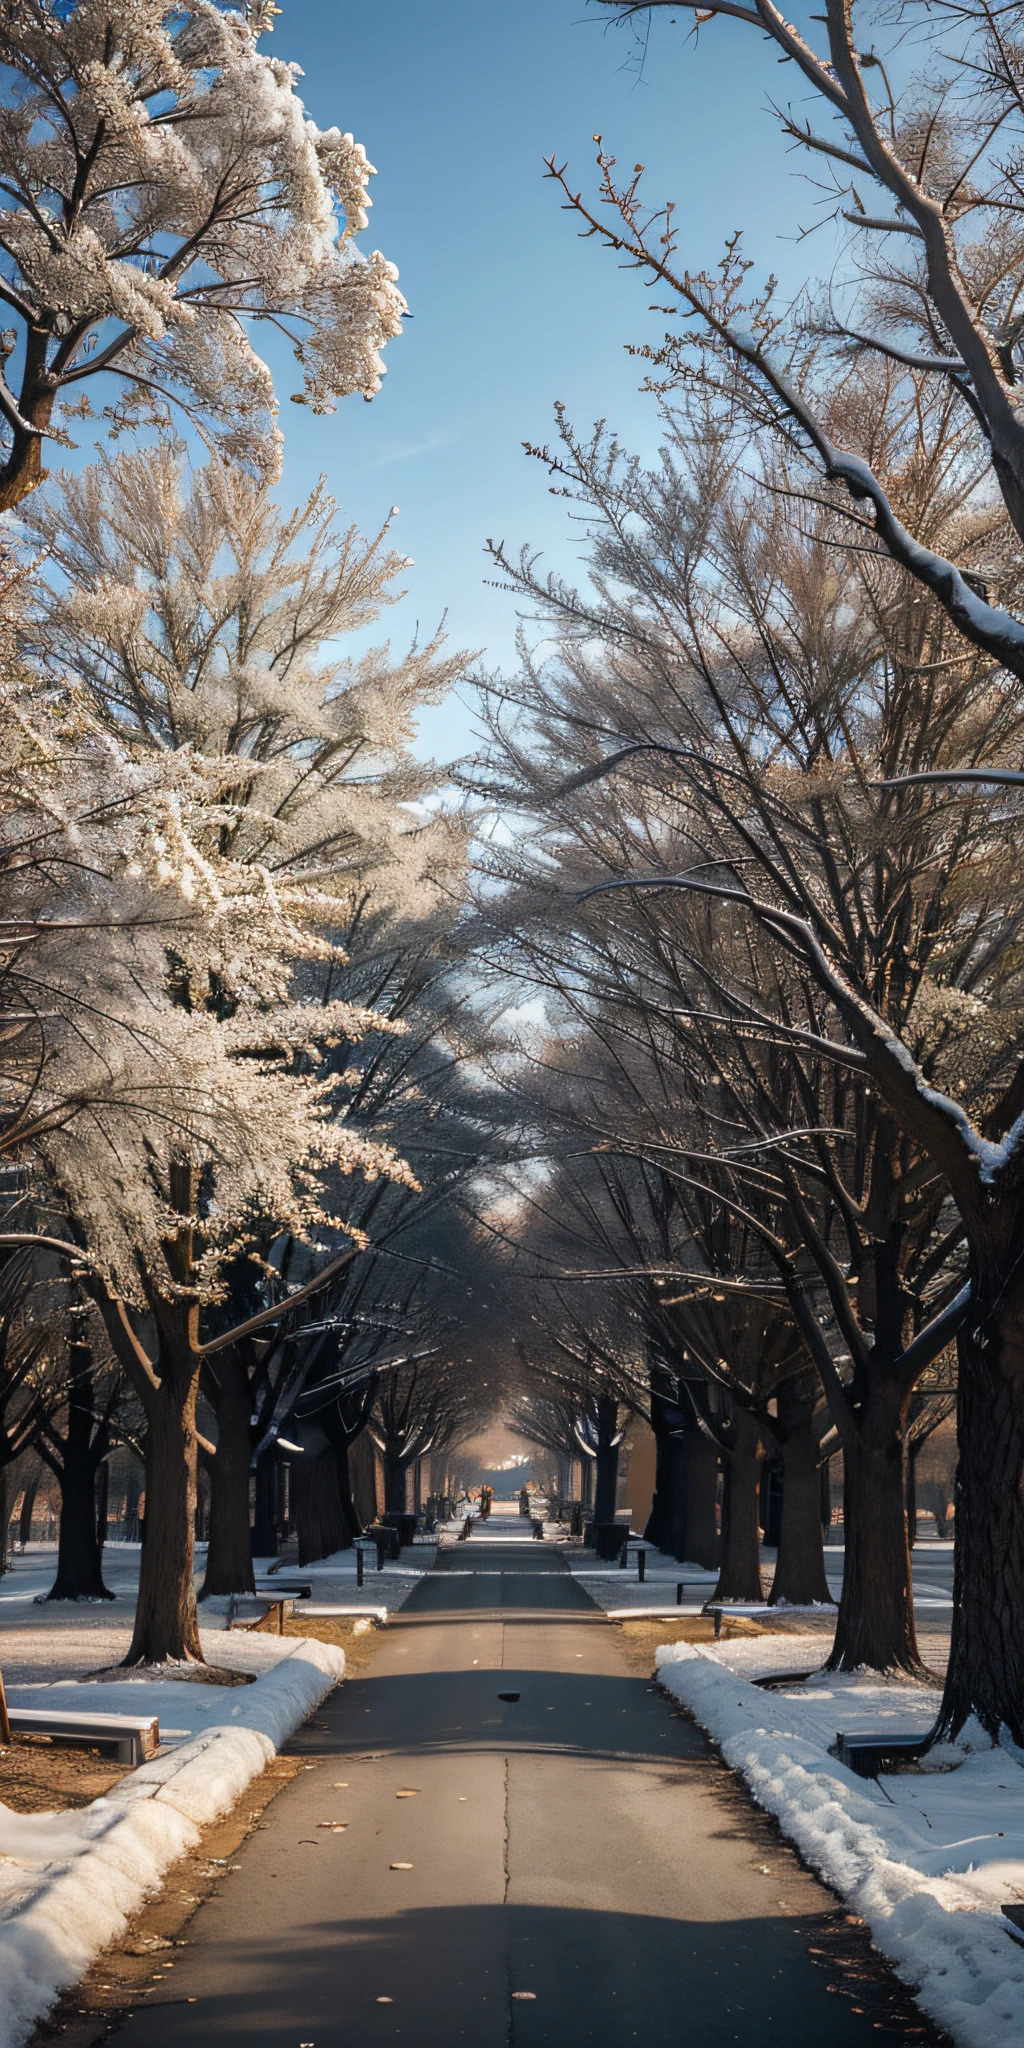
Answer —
(408, 1792)
(401, 1866)
(524, 1994)
(337, 1827)
(385, 2001)
(463, 1798)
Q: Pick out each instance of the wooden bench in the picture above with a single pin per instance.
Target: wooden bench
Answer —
(131, 1740)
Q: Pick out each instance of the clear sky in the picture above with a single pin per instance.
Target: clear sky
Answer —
(457, 103)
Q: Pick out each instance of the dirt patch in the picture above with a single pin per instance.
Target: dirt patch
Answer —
(640, 1639)
(350, 1635)
(40, 1776)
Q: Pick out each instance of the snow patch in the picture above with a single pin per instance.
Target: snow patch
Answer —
(69, 1882)
(928, 1859)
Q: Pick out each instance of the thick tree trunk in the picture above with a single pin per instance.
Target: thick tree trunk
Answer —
(79, 1558)
(351, 1522)
(800, 1565)
(229, 1557)
(702, 1544)
(876, 1612)
(739, 1573)
(667, 1519)
(985, 1675)
(166, 1624)
(362, 1465)
(317, 1507)
(395, 1466)
(79, 1553)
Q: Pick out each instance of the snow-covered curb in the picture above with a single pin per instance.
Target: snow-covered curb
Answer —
(78, 1877)
(939, 1924)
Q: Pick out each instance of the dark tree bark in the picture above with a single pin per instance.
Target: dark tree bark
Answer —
(27, 1510)
(606, 1458)
(875, 1624)
(799, 1579)
(166, 1620)
(985, 1675)
(317, 1506)
(362, 1465)
(739, 1573)
(229, 1557)
(75, 1457)
(396, 1465)
(263, 1534)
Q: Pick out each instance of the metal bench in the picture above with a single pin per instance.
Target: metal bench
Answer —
(129, 1739)
(866, 1751)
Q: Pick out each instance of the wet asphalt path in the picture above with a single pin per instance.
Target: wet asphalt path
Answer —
(581, 1870)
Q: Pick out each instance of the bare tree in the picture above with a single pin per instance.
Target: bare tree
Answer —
(749, 695)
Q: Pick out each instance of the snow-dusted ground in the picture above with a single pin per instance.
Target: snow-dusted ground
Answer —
(69, 1882)
(927, 1856)
(617, 1590)
(71, 1640)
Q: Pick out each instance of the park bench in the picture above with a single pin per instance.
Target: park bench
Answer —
(866, 1751)
(277, 1607)
(129, 1738)
(294, 1589)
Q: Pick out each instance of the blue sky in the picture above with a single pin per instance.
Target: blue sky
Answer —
(457, 104)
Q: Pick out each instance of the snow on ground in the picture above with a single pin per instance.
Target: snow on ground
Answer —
(37, 1639)
(927, 1857)
(69, 1882)
(619, 1590)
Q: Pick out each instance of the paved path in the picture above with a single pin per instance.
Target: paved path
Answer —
(582, 1871)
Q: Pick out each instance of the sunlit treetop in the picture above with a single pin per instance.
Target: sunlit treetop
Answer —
(162, 189)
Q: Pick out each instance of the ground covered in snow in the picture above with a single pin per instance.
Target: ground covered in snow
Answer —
(69, 1882)
(927, 1856)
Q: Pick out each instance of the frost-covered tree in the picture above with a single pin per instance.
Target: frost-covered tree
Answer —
(197, 615)
(194, 618)
(162, 189)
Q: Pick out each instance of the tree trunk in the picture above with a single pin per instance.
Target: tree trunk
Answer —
(166, 1623)
(739, 1573)
(79, 1559)
(394, 1482)
(229, 1557)
(351, 1522)
(606, 1462)
(27, 1510)
(701, 1540)
(986, 1663)
(667, 1520)
(317, 1507)
(362, 1465)
(79, 1556)
(799, 1577)
(876, 1612)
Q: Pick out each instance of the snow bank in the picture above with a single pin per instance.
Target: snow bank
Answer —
(69, 1882)
(927, 1858)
